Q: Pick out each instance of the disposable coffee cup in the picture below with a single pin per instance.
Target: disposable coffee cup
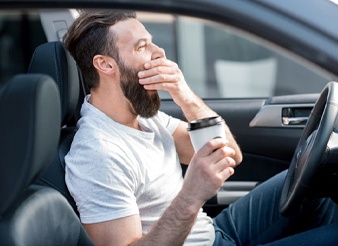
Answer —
(203, 130)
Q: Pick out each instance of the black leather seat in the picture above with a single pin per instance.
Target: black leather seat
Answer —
(29, 128)
(52, 59)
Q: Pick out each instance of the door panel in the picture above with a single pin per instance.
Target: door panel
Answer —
(267, 147)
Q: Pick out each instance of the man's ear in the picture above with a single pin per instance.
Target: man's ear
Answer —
(104, 64)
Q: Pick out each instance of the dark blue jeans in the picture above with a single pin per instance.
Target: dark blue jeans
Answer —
(255, 220)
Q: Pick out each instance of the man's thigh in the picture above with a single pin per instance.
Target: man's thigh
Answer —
(255, 219)
(324, 235)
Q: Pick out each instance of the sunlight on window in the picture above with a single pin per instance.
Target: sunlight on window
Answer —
(334, 1)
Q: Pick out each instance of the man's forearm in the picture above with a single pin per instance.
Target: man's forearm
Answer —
(174, 225)
(195, 108)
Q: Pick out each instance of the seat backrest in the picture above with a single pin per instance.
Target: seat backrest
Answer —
(52, 59)
(29, 128)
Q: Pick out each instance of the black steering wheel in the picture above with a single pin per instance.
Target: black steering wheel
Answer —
(309, 153)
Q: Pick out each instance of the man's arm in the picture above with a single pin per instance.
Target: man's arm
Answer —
(162, 74)
(171, 229)
(122, 231)
(183, 144)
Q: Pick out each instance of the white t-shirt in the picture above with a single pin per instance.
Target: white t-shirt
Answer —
(114, 171)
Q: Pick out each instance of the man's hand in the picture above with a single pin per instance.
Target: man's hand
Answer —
(163, 74)
(207, 171)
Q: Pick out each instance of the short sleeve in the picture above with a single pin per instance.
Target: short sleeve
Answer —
(169, 122)
(102, 184)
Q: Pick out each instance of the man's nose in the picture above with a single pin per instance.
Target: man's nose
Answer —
(157, 53)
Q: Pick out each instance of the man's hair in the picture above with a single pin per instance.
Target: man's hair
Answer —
(89, 36)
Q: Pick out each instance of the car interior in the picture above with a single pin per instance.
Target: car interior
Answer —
(269, 129)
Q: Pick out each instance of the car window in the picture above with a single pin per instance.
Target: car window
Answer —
(20, 33)
(217, 61)
(223, 62)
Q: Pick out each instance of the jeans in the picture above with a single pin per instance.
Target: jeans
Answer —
(255, 220)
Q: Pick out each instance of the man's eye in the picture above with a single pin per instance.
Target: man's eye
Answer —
(141, 46)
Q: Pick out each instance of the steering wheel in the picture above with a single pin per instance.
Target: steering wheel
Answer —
(311, 147)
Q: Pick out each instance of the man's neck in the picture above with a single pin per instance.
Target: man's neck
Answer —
(115, 107)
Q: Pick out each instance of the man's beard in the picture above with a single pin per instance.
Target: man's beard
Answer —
(144, 105)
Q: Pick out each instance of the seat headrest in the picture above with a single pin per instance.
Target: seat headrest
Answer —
(29, 129)
(54, 60)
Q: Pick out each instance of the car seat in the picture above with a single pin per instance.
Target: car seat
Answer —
(52, 59)
(32, 214)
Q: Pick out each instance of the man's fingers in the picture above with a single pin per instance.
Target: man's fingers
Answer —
(223, 164)
(212, 146)
(219, 156)
(159, 70)
(159, 62)
(155, 71)
(159, 78)
(227, 173)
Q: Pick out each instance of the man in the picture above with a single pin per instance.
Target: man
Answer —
(123, 169)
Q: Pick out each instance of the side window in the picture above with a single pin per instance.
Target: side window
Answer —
(20, 33)
(223, 62)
